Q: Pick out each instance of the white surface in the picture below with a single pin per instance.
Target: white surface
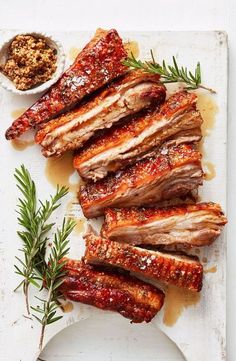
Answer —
(161, 15)
(135, 343)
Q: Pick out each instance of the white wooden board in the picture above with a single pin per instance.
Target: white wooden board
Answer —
(200, 330)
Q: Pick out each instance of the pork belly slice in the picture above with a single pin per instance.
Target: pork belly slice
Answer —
(177, 119)
(174, 172)
(132, 298)
(98, 63)
(127, 95)
(181, 271)
(189, 224)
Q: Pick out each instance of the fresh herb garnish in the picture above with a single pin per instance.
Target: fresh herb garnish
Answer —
(33, 216)
(54, 278)
(169, 73)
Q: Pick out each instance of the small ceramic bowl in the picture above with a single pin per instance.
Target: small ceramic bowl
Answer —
(54, 44)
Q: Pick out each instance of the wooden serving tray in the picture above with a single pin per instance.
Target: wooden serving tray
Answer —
(196, 323)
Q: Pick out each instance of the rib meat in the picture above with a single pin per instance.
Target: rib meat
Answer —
(97, 64)
(174, 172)
(188, 224)
(181, 271)
(127, 295)
(177, 120)
(127, 95)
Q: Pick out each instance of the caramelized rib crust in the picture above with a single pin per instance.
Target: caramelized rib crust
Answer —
(189, 224)
(127, 295)
(97, 64)
(181, 271)
(174, 172)
(177, 119)
(129, 94)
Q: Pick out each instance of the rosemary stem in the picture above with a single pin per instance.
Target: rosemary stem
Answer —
(42, 337)
(29, 272)
(26, 293)
(206, 88)
(45, 318)
(26, 282)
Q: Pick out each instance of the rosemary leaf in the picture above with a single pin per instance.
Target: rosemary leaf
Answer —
(33, 216)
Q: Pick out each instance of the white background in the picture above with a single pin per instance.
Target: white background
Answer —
(148, 15)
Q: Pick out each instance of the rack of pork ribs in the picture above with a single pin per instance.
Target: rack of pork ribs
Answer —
(138, 155)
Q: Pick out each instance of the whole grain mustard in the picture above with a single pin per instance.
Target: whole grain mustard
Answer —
(30, 62)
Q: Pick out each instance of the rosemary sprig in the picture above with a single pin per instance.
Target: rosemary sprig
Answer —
(33, 218)
(54, 277)
(169, 73)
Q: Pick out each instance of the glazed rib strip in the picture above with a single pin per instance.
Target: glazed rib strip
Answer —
(131, 93)
(97, 64)
(127, 295)
(174, 172)
(190, 224)
(123, 144)
(181, 271)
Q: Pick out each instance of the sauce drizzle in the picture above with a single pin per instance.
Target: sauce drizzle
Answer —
(176, 301)
(17, 112)
(80, 225)
(59, 170)
(210, 171)
(73, 52)
(20, 145)
(67, 307)
(212, 269)
(208, 109)
(132, 47)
